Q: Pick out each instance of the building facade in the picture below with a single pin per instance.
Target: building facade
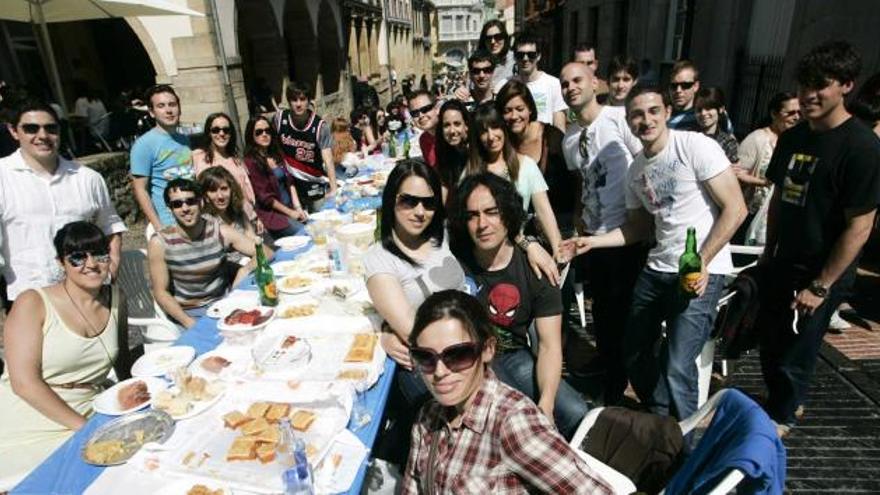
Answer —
(459, 25)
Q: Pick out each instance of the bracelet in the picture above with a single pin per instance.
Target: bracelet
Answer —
(524, 242)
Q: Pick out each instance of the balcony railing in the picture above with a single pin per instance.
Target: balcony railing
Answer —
(455, 3)
(458, 36)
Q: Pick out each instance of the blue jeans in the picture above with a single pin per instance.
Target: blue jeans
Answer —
(666, 381)
(517, 369)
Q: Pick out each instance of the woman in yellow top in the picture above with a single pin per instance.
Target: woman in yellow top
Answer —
(61, 342)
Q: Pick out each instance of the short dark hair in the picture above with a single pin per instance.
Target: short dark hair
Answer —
(33, 106)
(775, 103)
(480, 56)
(483, 41)
(683, 64)
(183, 185)
(511, 89)
(836, 60)
(420, 92)
(297, 89)
(80, 236)
(456, 305)
(709, 97)
(159, 89)
(412, 167)
(582, 47)
(527, 38)
(644, 88)
(626, 64)
(866, 104)
(507, 199)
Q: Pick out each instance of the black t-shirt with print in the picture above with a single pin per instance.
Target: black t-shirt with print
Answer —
(513, 297)
(819, 176)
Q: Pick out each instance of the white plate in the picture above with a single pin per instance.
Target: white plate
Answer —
(298, 290)
(296, 302)
(108, 403)
(182, 486)
(292, 242)
(201, 406)
(285, 268)
(237, 365)
(235, 300)
(162, 361)
(224, 327)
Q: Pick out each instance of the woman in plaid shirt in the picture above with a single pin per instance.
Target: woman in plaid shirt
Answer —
(478, 435)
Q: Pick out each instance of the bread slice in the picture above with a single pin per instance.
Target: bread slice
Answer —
(258, 409)
(352, 375)
(242, 449)
(234, 419)
(270, 435)
(362, 348)
(276, 412)
(254, 427)
(266, 452)
(301, 419)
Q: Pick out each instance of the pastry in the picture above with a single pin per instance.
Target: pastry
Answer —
(269, 435)
(277, 411)
(242, 449)
(352, 375)
(256, 426)
(301, 419)
(258, 409)
(361, 350)
(234, 419)
(266, 452)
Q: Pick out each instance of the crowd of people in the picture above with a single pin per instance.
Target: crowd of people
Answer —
(514, 186)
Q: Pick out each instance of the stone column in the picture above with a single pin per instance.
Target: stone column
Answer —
(354, 58)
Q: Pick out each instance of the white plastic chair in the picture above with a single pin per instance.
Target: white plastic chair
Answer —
(620, 484)
(143, 311)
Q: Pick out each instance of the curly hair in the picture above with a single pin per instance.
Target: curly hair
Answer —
(507, 199)
(835, 60)
(210, 180)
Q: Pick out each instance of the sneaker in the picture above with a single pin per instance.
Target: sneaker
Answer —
(837, 324)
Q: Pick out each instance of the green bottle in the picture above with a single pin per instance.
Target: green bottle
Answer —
(690, 265)
(392, 146)
(265, 277)
(406, 146)
(377, 234)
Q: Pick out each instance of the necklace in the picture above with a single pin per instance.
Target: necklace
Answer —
(97, 333)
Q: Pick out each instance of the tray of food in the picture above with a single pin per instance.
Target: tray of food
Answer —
(246, 319)
(115, 442)
(299, 307)
(128, 396)
(190, 395)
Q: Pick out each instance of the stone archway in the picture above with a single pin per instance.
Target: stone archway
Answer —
(303, 51)
(330, 48)
(263, 50)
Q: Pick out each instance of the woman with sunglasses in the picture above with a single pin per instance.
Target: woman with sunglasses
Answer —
(61, 343)
(543, 144)
(277, 203)
(492, 150)
(222, 151)
(479, 435)
(495, 40)
(452, 145)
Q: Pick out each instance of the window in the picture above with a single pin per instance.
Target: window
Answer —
(459, 23)
(446, 23)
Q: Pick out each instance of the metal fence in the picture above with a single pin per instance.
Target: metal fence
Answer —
(758, 79)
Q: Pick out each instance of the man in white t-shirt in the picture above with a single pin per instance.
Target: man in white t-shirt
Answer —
(599, 144)
(679, 180)
(545, 88)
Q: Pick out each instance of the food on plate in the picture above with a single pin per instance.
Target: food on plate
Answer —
(105, 452)
(252, 317)
(173, 404)
(276, 412)
(320, 269)
(203, 490)
(234, 419)
(132, 395)
(288, 342)
(197, 388)
(296, 282)
(188, 457)
(258, 409)
(190, 389)
(242, 449)
(361, 350)
(266, 453)
(269, 435)
(301, 419)
(352, 375)
(341, 291)
(215, 364)
(299, 311)
(256, 426)
(363, 217)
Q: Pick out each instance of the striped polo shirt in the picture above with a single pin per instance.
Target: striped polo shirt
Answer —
(196, 266)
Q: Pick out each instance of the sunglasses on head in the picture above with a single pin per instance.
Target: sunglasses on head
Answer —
(482, 70)
(409, 201)
(218, 130)
(35, 128)
(682, 85)
(178, 203)
(77, 259)
(260, 132)
(458, 357)
(416, 113)
(520, 55)
(497, 37)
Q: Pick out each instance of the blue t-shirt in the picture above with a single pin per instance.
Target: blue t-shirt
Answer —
(162, 157)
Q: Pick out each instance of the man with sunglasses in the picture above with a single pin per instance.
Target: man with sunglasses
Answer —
(599, 144)
(159, 156)
(423, 111)
(481, 66)
(683, 86)
(827, 187)
(545, 88)
(486, 219)
(188, 261)
(40, 192)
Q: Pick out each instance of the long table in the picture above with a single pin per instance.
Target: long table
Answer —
(64, 472)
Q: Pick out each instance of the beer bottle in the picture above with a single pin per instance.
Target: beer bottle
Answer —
(690, 265)
(265, 277)
(406, 146)
(377, 234)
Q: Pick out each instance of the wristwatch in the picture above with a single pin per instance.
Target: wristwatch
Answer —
(523, 242)
(818, 289)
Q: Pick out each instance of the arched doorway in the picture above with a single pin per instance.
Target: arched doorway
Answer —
(263, 52)
(302, 44)
(330, 48)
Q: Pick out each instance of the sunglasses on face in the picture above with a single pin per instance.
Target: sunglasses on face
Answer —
(415, 113)
(481, 70)
(409, 201)
(77, 259)
(218, 130)
(260, 132)
(458, 357)
(497, 37)
(32, 129)
(686, 85)
(526, 55)
(178, 203)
